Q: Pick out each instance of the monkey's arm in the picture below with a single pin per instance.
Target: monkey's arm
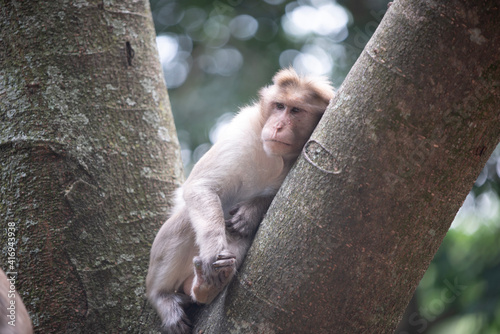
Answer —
(224, 175)
(207, 218)
(246, 216)
(215, 264)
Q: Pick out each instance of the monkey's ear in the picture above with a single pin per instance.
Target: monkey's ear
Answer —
(286, 77)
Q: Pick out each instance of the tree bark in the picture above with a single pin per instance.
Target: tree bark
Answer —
(88, 157)
(356, 223)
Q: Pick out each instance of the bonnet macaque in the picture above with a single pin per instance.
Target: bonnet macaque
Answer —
(221, 204)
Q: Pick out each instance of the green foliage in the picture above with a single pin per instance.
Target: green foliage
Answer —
(459, 292)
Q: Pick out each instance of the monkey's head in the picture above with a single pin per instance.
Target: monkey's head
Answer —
(291, 108)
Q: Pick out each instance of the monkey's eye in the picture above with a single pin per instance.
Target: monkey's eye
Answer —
(280, 106)
(295, 110)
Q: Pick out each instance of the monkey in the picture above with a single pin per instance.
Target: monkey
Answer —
(221, 204)
(14, 319)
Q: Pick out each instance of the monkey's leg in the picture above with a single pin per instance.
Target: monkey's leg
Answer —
(210, 280)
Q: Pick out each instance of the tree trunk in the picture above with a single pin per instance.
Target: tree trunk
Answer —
(88, 155)
(354, 227)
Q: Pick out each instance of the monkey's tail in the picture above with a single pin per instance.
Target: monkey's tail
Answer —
(170, 307)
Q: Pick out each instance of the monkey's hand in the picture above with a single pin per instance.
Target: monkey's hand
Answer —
(246, 217)
(212, 277)
(243, 221)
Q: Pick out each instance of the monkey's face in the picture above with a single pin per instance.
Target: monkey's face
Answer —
(290, 110)
(288, 127)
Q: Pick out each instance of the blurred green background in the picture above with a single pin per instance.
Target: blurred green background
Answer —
(217, 54)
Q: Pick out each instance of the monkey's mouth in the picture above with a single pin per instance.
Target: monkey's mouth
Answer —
(277, 141)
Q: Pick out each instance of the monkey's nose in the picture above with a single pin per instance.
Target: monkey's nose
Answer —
(277, 129)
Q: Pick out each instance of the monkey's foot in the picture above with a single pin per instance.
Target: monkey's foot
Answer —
(211, 278)
(225, 262)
